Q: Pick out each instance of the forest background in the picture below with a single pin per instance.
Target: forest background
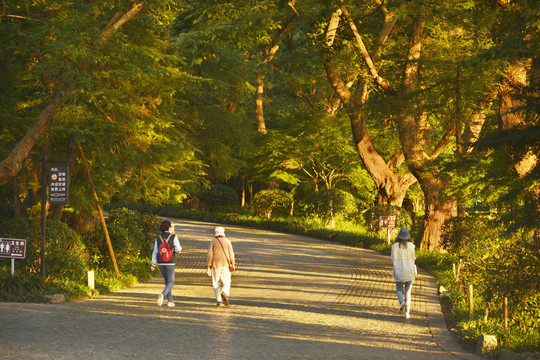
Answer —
(317, 116)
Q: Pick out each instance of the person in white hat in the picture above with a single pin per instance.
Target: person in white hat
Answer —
(220, 262)
(404, 271)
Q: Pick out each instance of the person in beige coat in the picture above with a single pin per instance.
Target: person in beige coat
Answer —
(220, 261)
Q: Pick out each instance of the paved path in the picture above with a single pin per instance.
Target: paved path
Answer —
(293, 297)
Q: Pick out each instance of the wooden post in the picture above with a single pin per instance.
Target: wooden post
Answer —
(505, 306)
(100, 212)
(486, 313)
(471, 303)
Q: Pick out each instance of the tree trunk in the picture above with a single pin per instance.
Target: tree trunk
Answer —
(270, 54)
(259, 114)
(438, 210)
(13, 163)
(412, 135)
(391, 187)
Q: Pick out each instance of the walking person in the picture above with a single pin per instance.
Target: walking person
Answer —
(404, 271)
(166, 246)
(220, 262)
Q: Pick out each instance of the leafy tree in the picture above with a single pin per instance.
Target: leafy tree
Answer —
(122, 100)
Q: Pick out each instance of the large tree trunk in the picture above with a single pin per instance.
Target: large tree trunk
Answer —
(412, 135)
(438, 210)
(391, 187)
(13, 163)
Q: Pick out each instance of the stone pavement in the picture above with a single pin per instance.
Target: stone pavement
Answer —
(292, 297)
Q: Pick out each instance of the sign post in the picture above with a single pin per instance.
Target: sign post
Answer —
(388, 222)
(58, 183)
(13, 249)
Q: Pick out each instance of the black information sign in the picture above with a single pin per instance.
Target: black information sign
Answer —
(13, 248)
(58, 185)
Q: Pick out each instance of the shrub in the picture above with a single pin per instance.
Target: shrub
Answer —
(329, 204)
(131, 234)
(499, 265)
(266, 201)
(65, 253)
(22, 288)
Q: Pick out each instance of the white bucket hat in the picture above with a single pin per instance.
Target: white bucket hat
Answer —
(219, 231)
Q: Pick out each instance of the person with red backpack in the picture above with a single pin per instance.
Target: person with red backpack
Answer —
(166, 246)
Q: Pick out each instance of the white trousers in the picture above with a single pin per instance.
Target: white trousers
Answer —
(224, 275)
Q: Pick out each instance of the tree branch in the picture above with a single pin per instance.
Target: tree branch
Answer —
(385, 84)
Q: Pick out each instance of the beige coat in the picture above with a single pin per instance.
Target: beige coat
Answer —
(216, 258)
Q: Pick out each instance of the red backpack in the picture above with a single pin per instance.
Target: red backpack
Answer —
(164, 250)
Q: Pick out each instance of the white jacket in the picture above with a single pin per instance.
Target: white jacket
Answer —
(403, 259)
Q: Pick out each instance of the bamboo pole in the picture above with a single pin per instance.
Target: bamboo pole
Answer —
(100, 211)
(505, 306)
(471, 303)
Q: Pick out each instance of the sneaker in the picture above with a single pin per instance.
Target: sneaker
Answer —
(218, 303)
(407, 316)
(225, 298)
(160, 300)
(170, 304)
(401, 307)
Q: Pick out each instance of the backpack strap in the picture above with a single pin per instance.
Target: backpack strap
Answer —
(166, 241)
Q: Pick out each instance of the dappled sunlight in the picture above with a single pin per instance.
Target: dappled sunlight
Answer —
(293, 295)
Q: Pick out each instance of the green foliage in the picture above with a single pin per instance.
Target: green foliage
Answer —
(131, 233)
(266, 201)
(498, 265)
(65, 253)
(220, 197)
(331, 203)
(21, 288)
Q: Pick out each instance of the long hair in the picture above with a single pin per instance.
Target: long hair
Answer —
(402, 243)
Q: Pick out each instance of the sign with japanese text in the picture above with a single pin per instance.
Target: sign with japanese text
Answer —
(13, 248)
(59, 185)
(387, 221)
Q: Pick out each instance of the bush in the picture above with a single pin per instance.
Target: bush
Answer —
(22, 288)
(498, 265)
(328, 204)
(131, 234)
(65, 253)
(266, 201)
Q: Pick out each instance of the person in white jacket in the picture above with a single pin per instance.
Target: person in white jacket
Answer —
(404, 272)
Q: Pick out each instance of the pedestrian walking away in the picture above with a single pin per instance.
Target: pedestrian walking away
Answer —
(220, 263)
(404, 271)
(166, 247)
